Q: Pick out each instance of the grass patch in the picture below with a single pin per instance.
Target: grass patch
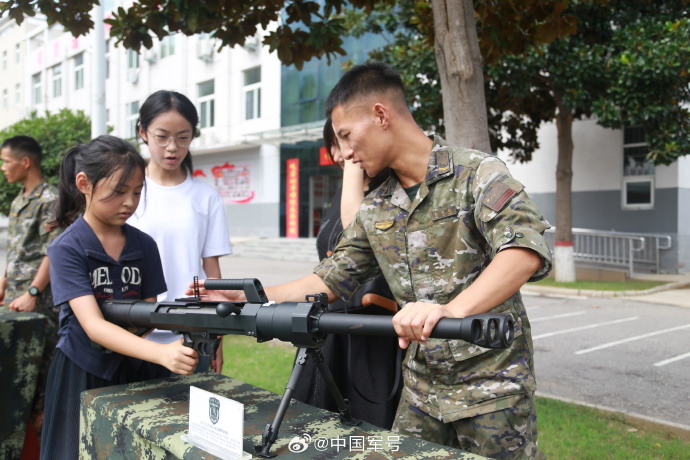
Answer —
(570, 431)
(266, 365)
(566, 431)
(629, 285)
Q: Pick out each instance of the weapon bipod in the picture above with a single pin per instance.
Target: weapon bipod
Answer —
(270, 433)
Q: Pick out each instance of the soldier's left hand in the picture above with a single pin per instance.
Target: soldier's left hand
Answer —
(25, 302)
(415, 321)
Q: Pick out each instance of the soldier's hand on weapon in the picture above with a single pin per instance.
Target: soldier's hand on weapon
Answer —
(213, 294)
(178, 358)
(415, 321)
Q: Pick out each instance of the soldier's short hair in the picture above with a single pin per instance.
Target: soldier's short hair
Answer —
(25, 146)
(365, 80)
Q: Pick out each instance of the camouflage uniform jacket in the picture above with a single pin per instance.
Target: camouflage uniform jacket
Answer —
(29, 233)
(466, 210)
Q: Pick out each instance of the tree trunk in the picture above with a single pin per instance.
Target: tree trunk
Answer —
(460, 68)
(563, 250)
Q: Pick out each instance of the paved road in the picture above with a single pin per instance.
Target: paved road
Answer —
(618, 353)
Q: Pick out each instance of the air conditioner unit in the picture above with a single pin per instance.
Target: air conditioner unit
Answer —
(253, 43)
(150, 56)
(204, 50)
(133, 76)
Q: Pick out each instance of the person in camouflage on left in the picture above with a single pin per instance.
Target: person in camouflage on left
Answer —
(25, 285)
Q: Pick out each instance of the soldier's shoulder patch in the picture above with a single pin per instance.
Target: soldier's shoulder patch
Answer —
(384, 224)
(500, 193)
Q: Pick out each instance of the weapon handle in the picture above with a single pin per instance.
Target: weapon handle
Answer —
(370, 299)
(253, 290)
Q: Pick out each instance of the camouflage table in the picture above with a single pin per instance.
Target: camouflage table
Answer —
(22, 336)
(147, 420)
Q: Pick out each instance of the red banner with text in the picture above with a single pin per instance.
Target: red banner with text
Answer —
(292, 198)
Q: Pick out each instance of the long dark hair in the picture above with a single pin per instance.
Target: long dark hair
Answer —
(163, 101)
(99, 159)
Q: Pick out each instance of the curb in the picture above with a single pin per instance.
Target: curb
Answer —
(682, 431)
(543, 290)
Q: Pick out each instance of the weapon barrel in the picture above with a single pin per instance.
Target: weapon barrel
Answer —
(487, 330)
(303, 324)
(128, 313)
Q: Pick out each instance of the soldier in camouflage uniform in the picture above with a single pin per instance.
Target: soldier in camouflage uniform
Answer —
(454, 235)
(25, 285)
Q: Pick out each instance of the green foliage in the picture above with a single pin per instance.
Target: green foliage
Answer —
(74, 16)
(56, 132)
(409, 51)
(505, 32)
(648, 68)
(627, 64)
(307, 28)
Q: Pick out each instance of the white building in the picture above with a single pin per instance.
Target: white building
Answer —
(613, 188)
(236, 92)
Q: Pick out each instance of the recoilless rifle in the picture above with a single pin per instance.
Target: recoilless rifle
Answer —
(202, 323)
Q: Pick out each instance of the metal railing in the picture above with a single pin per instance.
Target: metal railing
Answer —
(617, 249)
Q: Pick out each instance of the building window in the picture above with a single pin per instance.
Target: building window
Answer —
(18, 93)
(4, 60)
(132, 116)
(36, 88)
(5, 100)
(57, 80)
(638, 171)
(206, 94)
(79, 71)
(17, 53)
(638, 192)
(167, 46)
(132, 59)
(252, 93)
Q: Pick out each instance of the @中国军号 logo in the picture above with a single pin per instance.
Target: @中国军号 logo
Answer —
(299, 443)
(213, 409)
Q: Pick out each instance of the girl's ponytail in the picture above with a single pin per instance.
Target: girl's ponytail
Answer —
(71, 201)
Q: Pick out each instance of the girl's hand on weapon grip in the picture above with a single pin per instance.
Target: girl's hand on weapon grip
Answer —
(179, 358)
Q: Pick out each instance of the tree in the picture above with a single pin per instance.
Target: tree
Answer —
(412, 52)
(56, 132)
(627, 66)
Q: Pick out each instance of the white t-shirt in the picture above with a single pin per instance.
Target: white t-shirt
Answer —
(187, 222)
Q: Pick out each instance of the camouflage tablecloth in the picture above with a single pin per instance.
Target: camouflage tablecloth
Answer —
(148, 419)
(22, 337)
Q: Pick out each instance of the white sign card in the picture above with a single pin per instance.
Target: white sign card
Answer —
(216, 424)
